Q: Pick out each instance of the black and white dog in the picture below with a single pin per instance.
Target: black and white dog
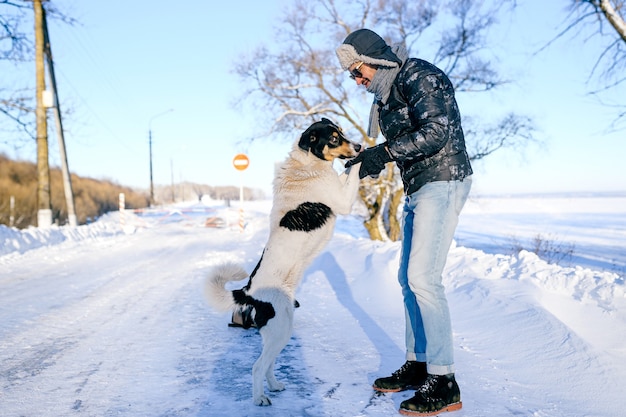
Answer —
(308, 195)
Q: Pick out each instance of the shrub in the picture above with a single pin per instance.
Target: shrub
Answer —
(92, 198)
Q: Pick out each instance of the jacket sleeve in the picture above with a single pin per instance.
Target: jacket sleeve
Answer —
(427, 111)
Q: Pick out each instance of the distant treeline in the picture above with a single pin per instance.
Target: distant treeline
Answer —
(92, 198)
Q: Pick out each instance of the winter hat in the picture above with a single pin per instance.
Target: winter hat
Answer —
(366, 46)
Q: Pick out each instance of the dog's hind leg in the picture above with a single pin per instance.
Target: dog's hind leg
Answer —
(276, 335)
(272, 383)
(263, 368)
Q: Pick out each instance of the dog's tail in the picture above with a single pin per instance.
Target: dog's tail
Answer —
(215, 286)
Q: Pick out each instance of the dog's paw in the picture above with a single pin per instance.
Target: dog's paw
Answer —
(262, 400)
(276, 386)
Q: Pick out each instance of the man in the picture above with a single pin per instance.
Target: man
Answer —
(416, 111)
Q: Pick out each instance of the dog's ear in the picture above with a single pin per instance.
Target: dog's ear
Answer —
(308, 137)
(329, 122)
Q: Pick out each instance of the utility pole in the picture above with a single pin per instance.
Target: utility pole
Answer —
(151, 181)
(150, 144)
(67, 179)
(172, 175)
(44, 212)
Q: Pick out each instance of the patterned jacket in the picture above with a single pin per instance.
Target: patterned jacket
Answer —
(422, 125)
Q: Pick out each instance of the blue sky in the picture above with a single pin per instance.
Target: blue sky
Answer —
(130, 61)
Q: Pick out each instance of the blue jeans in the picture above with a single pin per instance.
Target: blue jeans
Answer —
(430, 217)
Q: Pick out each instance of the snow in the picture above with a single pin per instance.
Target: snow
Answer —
(109, 318)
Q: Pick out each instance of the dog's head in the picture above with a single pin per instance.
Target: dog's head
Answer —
(325, 140)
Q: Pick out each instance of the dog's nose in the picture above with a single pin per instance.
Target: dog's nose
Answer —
(357, 147)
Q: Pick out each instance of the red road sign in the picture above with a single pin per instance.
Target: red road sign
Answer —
(241, 162)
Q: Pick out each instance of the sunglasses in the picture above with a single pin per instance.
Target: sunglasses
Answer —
(355, 73)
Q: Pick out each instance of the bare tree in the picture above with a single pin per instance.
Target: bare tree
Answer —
(14, 42)
(299, 80)
(16, 107)
(15, 46)
(608, 21)
(17, 104)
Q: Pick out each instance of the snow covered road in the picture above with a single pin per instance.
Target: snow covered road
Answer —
(116, 325)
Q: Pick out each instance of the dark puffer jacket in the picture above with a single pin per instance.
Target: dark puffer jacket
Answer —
(422, 125)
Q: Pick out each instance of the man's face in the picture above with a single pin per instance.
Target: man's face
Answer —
(362, 73)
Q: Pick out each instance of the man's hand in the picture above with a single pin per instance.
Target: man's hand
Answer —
(372, 160)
